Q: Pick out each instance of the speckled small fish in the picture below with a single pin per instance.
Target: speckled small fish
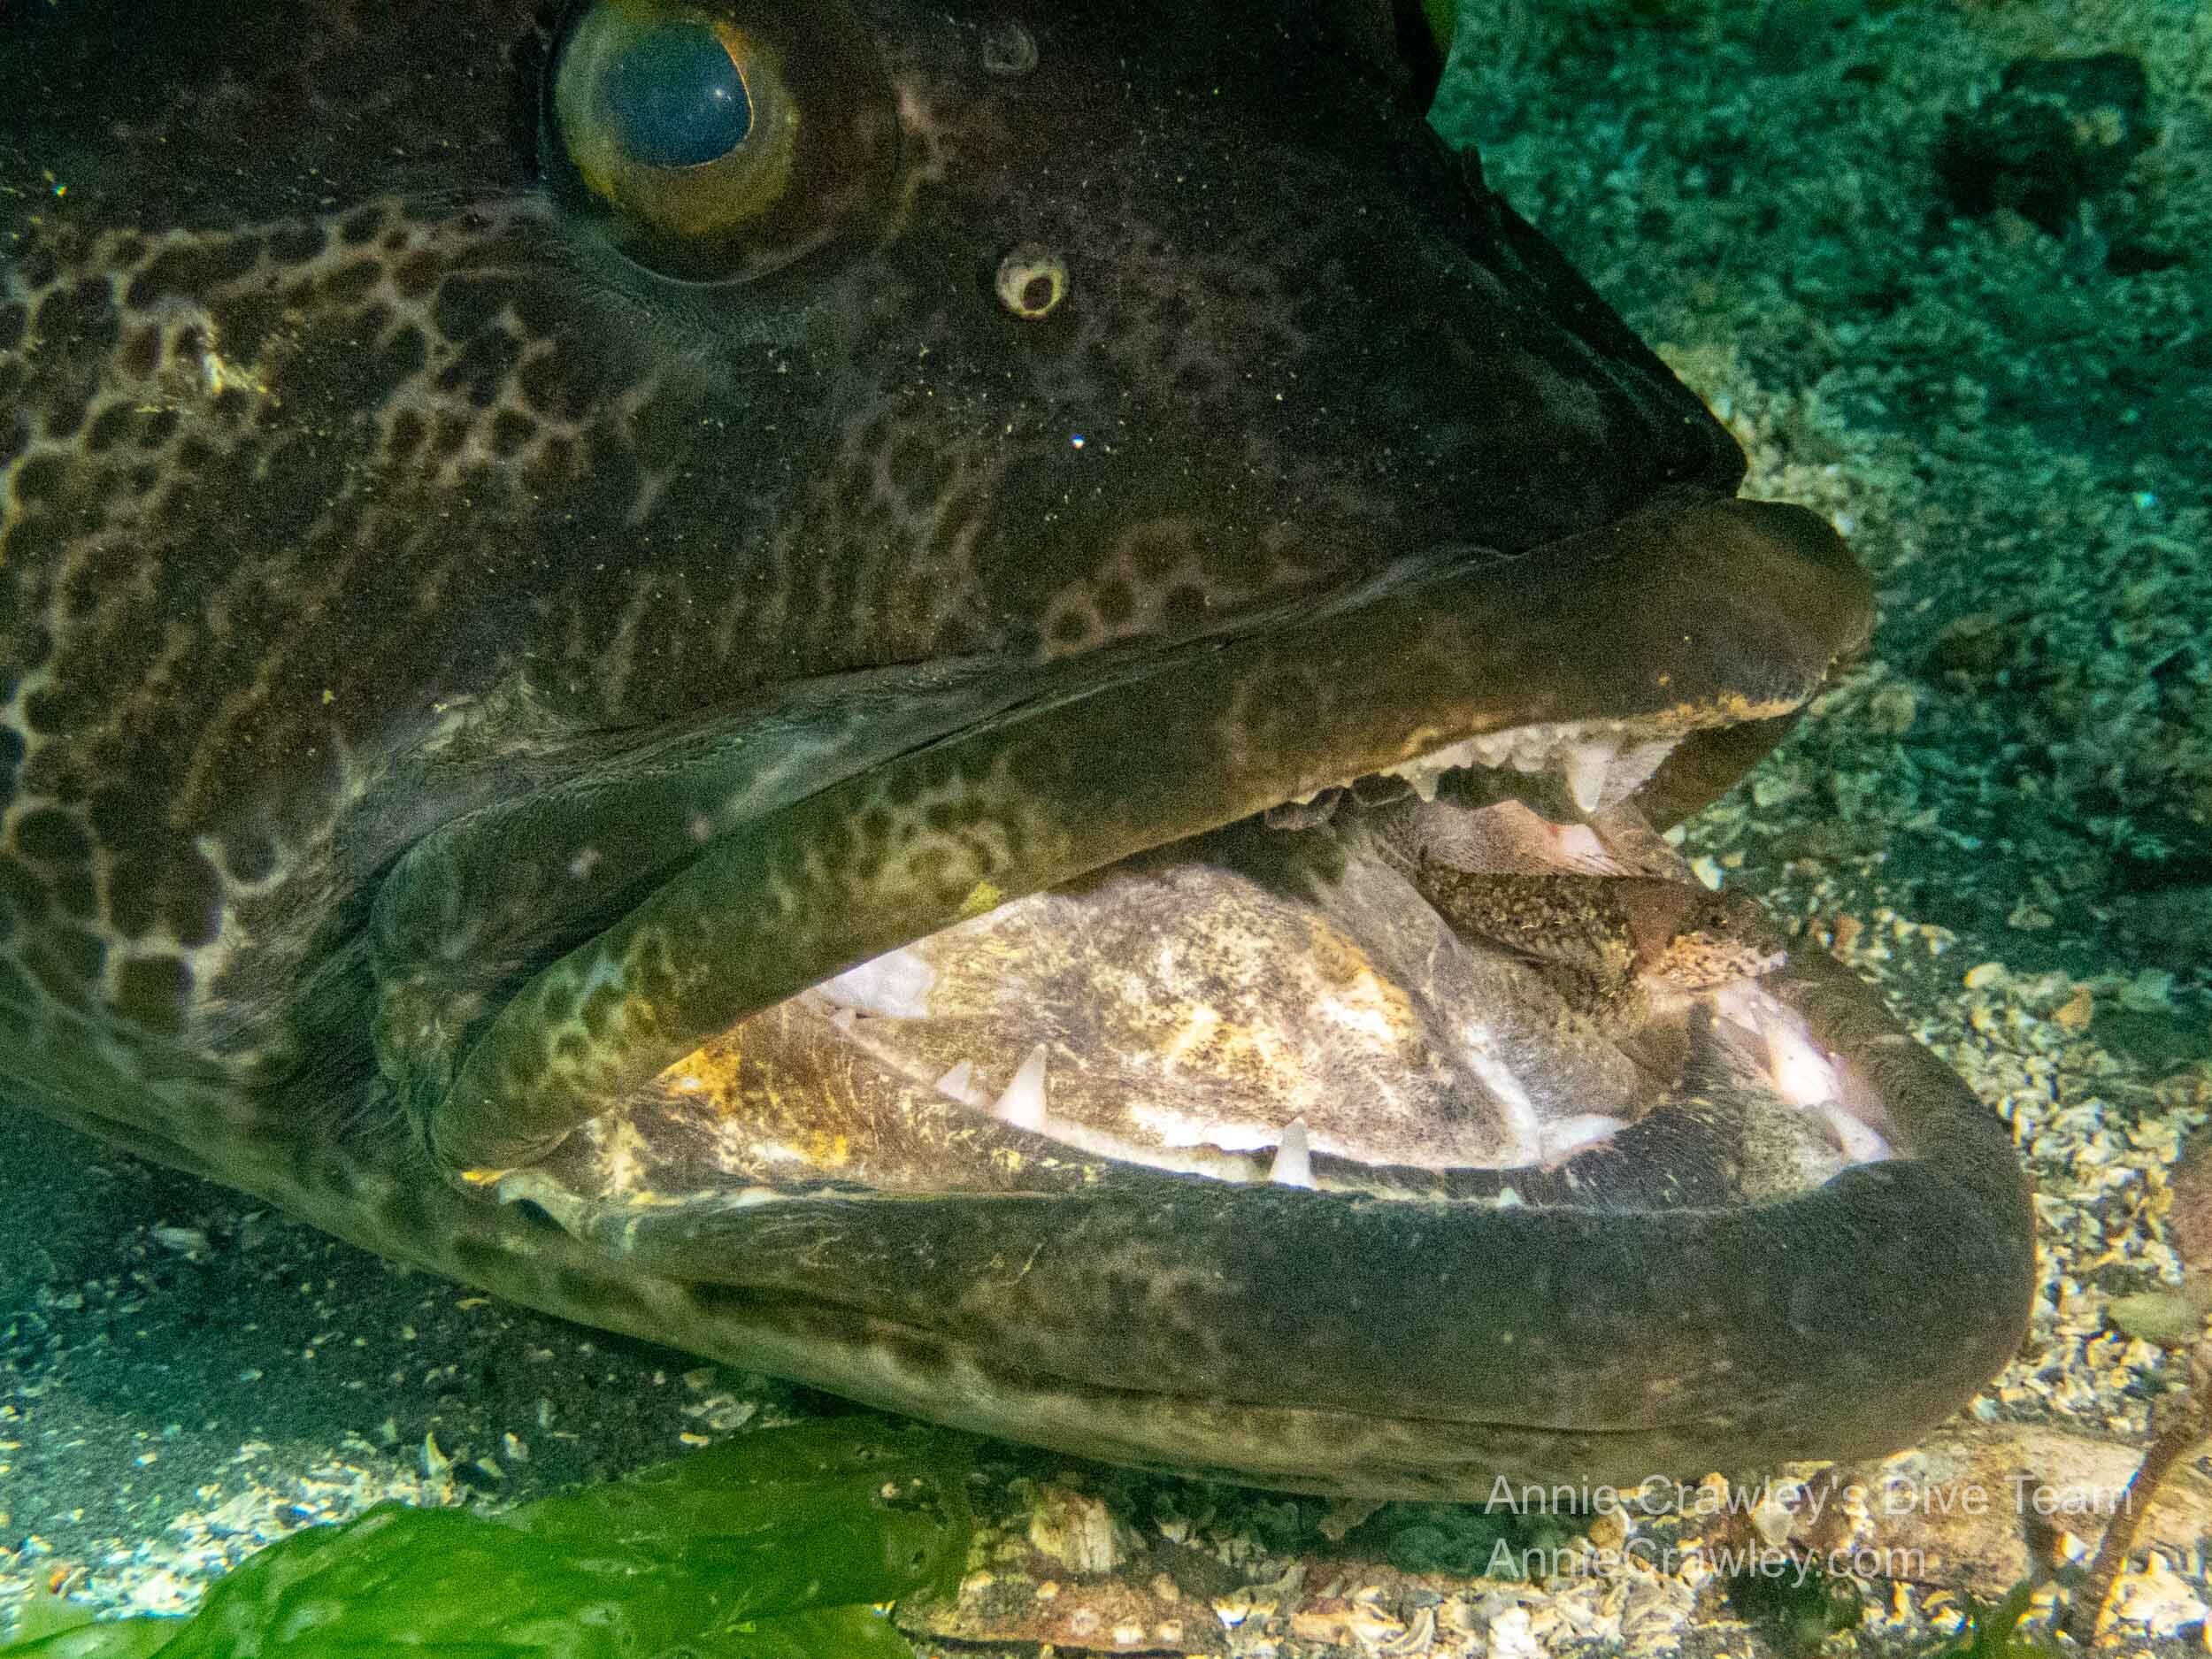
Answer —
(661, 656)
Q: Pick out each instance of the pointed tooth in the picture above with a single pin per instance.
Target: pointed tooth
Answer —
(1293, 1160)
(1587, 765)
(1023, 1104)
(959, 1084)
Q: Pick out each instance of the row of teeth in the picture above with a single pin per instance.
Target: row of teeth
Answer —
(1799, 1070)
(1023, 1104)
(1601, 766)
(1803, 1074)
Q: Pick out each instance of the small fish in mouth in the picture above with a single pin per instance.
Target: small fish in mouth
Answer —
(845, 683)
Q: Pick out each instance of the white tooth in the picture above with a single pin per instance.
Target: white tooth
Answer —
(1294, 1162)
(1423, 770)
(1023, 1104)
(1587, 764)
(1746, 1006)
(959, 1084)
(1801, 1074)
(896, 984)
(1516, 1111)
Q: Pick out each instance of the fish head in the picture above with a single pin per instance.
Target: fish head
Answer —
(779, 674)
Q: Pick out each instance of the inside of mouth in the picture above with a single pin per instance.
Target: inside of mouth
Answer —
(1441, 983)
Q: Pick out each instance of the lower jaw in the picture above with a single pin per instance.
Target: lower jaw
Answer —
(1033, 1175)
(1328, 1340)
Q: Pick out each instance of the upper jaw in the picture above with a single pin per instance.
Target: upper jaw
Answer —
(1694, 614)
(1247, 1004)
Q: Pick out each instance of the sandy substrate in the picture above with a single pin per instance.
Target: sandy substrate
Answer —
(2004, 816)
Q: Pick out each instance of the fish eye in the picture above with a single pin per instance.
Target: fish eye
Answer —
(675, 117)
(718, 140)
(674, 95)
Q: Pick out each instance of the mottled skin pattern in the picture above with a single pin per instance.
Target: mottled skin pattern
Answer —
(1615, 942)
(281, 495)
(400, 586)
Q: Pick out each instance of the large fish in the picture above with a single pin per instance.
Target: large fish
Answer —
(966, 701)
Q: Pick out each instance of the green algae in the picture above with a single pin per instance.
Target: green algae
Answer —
(775, 1545)
(131, 1639)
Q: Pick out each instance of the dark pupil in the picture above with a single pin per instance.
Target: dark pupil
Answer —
(678, 97)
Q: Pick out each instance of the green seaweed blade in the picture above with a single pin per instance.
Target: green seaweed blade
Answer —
(124, 1639)
(776, 1546)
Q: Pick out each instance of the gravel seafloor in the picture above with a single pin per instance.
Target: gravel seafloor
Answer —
(2004, 815)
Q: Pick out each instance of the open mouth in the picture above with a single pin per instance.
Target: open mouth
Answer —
(1525, 707)
(1109, 1071)
(1408, 997)
(1364, 899)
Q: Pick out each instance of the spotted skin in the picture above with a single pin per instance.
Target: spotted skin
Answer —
(448, 668)
(1613, 942)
